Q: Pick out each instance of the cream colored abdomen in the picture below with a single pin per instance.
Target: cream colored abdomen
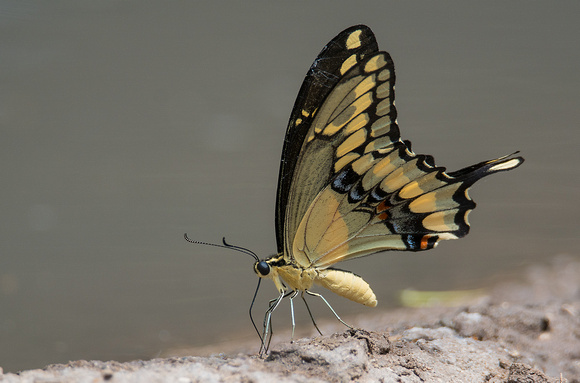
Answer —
(347, 285)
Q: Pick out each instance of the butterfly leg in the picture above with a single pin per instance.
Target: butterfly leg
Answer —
(292, 296)
(310, 313)
(329, 306)
(268, 331)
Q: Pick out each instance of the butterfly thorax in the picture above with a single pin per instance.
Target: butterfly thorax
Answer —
(286, 275)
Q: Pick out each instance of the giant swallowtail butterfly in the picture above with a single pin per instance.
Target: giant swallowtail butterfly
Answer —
(349, 186)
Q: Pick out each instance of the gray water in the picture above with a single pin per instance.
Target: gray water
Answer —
(125, 124)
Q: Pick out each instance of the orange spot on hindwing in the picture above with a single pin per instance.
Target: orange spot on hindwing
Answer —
(424, 242)
(428, 242)
(382, 210)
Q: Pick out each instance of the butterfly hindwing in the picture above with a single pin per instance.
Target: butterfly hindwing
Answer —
(412, 208)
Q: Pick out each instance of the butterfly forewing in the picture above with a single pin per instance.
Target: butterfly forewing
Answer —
(343, 52)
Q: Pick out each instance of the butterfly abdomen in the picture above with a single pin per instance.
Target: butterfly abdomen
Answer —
(348, 285)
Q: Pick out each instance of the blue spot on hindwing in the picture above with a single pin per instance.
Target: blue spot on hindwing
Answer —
(344, 180)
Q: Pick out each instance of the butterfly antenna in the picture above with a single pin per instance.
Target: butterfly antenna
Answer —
(240, 249)
(225, 246)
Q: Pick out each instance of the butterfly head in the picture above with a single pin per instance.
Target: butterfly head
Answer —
(270, 268)
(267, 267)
(262, 268)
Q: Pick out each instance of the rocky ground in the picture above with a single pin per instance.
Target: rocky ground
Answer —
(526, 331)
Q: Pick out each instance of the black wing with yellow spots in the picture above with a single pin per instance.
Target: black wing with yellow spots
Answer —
(320, 80)
(348, 185)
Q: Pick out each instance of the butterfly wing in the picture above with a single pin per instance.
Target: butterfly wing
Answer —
(349, 186)
(401, 202)
(342, 52)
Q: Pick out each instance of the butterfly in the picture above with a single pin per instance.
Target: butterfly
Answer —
(349, 186)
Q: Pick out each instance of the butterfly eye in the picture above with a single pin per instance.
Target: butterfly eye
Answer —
(262, 268)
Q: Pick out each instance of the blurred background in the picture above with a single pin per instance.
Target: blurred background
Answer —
(125, 124)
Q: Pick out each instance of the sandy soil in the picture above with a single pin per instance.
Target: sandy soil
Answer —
(524, 331)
